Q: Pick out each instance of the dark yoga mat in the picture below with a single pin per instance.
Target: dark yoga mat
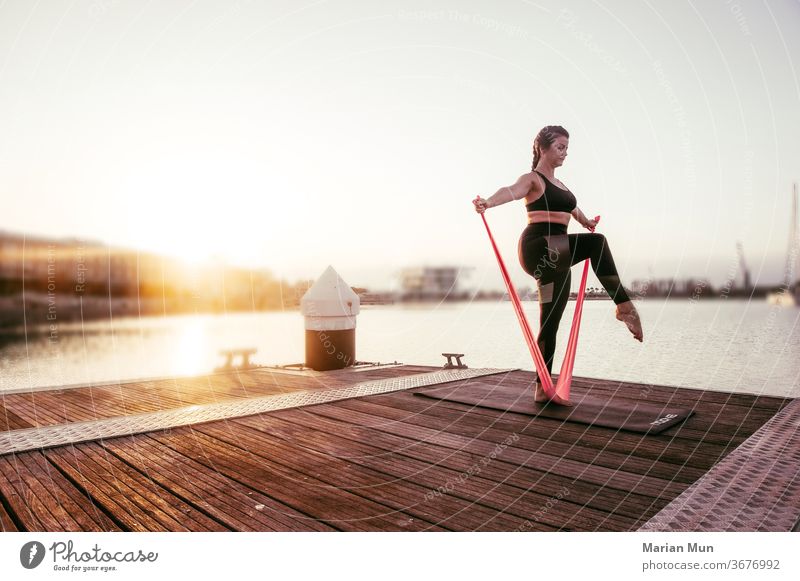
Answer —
(632, 416)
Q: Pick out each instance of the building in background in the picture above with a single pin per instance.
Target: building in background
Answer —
(431, 283)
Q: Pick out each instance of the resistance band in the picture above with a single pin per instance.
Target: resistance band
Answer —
(560, 392)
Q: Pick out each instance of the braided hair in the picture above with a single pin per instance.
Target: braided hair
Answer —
(544, 140)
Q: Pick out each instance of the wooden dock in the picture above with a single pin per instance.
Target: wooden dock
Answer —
(382, 462)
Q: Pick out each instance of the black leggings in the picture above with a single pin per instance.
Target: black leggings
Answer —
(546, 252)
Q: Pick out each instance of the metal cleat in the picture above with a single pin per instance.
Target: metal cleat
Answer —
(230, 354)
(450, 364)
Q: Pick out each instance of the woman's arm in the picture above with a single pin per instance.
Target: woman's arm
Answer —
(519, 190)
(582, 219)
(510, 193)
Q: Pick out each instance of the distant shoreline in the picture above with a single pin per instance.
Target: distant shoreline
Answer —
(36, 320)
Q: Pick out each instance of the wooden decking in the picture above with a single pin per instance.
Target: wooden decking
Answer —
(58, 406)
(390, 462)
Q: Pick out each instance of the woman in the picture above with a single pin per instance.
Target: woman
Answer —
(547, 252)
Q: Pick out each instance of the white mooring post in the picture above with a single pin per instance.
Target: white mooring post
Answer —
(330, 307)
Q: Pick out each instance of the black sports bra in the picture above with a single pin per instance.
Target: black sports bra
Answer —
(554, 199)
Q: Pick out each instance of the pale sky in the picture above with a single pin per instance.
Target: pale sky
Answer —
(293, 135)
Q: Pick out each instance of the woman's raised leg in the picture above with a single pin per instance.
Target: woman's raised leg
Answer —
(595, 247)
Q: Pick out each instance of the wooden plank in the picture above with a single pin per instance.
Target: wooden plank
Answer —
(374, 458)
(503, 469)
(484, 442)
(713, 400)
(430, 431)
(11, 421)
(721, 414)
(33, 514)
(695, 396)
(682, 435)
(46, 504)
(104, 401)
(26, 406)
(757, 405)
(130, 516)
(716, 417)
(71, 501)
(47, 408)
(356, 376)
(401, 494)
(223, 498)
(474, 487)
(338, 508)
(82, 404)
(150, 494)
(131, 497)
(7, 524)
(701, 426)
(463, 420)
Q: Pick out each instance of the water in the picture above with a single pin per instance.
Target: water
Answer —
(740, 346)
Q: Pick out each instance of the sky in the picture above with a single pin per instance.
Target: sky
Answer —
(294, 135)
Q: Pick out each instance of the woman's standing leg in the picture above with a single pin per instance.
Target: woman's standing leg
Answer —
(553, 297)
(547, 259)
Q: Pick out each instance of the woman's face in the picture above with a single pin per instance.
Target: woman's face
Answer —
(557, 152)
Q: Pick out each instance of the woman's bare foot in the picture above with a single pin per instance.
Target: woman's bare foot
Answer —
(540, 396)
(627, 313)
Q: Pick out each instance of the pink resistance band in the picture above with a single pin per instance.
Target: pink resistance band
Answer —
(559, 393)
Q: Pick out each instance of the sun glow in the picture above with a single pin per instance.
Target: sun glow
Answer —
(204, 208)
(189, 346)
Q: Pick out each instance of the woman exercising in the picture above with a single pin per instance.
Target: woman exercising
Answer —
(546, 251)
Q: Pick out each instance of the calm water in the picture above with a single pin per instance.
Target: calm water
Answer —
(718, 345)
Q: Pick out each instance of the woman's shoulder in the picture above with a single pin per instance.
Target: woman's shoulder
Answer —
(536, 180)
(536, 185)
